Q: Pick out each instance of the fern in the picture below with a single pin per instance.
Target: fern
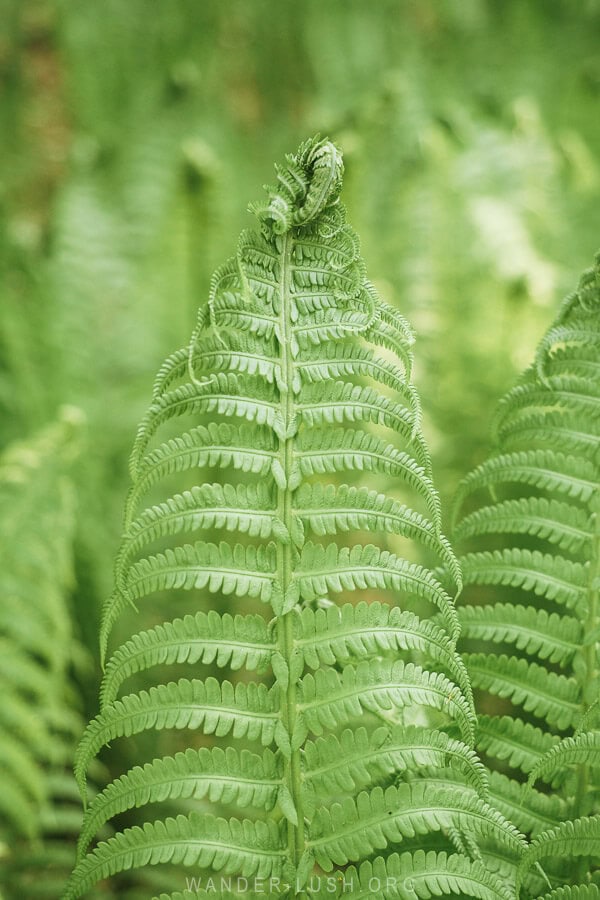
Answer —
(296, 369)
(39, 724)
(540, 642)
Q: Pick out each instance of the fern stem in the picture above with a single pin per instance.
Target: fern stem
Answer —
(589, 674)
(285, 623)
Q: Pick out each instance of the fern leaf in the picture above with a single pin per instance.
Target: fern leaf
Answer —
(349, 762)
(223, 394)
(548, 576)
(215, 445)
(337, 360)
(245, 509)
(584, 749)
(544, 469)
(244, 353)
(327, 325)
(544, 476)
(535, 631)
(337, 634)
(243, 571)
(383, 335)
(520, 743)
(296, 368)
(575, 838)
(224, 776)
(531, 811)
(173, 368)
(342, 402)
(328, 451)
(238, 316)
(424, 874)
(568, 392)
(24, 773)
(330, 700)
(206, 637)
(560, 523)
(559, 430)
(574, 892)
(231, 846)
(545, 694)
(345, 832)
(394, 321)
(239, 570)
(37, 648)
(248, 710)
(563, 334)
(329, 509)
(324, 569)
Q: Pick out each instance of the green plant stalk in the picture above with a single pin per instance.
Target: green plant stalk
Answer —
(285, 623)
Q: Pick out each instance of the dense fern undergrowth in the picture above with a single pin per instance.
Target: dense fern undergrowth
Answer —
(39, 721)
(324, 741)
(530, 614)
(127, 156)
(326, 733)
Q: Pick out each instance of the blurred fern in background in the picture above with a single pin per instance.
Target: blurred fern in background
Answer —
(39, 657)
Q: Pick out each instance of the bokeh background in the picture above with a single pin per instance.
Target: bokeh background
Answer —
(133, 133)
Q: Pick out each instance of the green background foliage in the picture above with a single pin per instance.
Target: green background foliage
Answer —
(132, 135)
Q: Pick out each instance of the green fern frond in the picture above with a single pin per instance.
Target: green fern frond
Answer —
(215, 445)
(330, 700)
(545, 479)
(324, 451)
(224, 776)
(571, 393)
(246, 710)
(560, 430)
(426, 874)
(206, 637)
(331, 509)
(247, 509)
(581, 750)
(336, 634)
(422, 874)
(543, 469)
(333, 569)
(294, 389)
(531, 811)
(546, 694)
(339, 402)
(535, 631)
(238, 569)
(559, 523)
(572, 839)
(242, 570)
(326, 363)
(241, 847)
(39, 718)
(351, 761)
(346, 831)
(545, 575)
(574, 892)
(520, 743)
(226, 394)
